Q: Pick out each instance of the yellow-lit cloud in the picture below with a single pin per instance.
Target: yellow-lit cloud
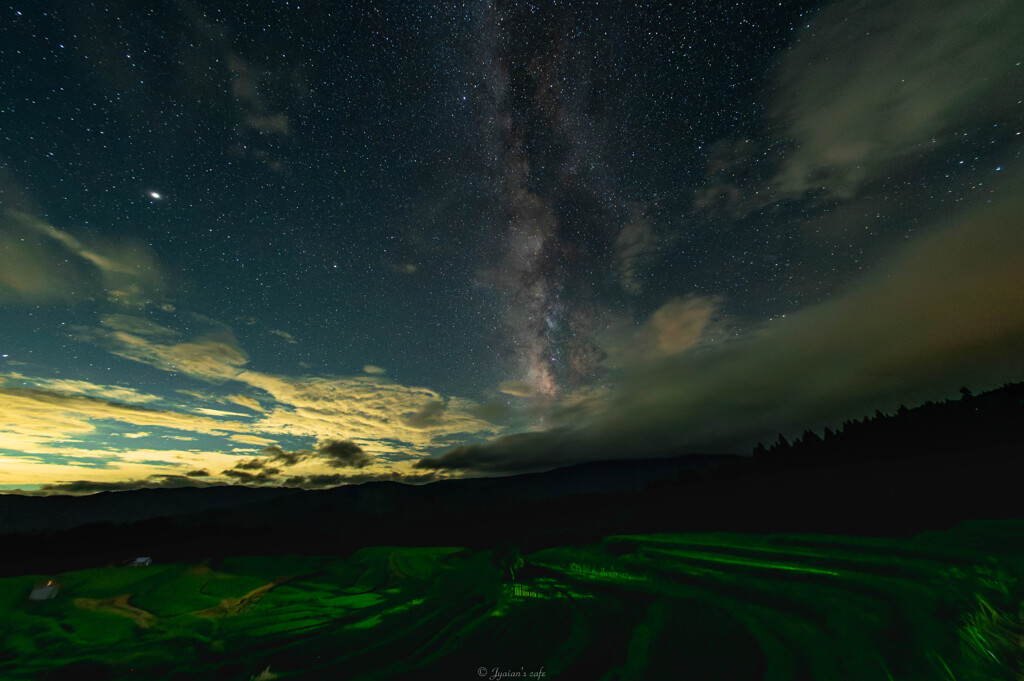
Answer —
(251, 440)
(34, 420)
(218, 412)
(379, 416)
(245, 401)
(517, 388)
(114, 393)
(675, 327)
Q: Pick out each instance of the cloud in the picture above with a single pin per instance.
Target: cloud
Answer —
(127, 271)
(264, 477)
(369, 410)
(139, 326)
(335, 453)
(279, 455)
(251, 440)
(261, 127)
(675, 327)
(944, 312)
(107, 392)
(274, 123)
(875, 83)
(95, 486)
(32, 418)
(678, 326)
(365, 409)
(371, 369)
(517, 388)
(342, 454)
(215, 356)
(632, 246)
(198, 473)
(42, 264)
(245, 401)
(218, 412)
(315, 481)
(284, 334)
(251, 465)
(729, 169)
(428, 415)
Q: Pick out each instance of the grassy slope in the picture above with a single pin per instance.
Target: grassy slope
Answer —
(708, 606)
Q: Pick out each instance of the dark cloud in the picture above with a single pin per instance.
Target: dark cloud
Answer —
(264, 477)
(286, 458)
(513, 454)
(316, 481)
(242, 469)
(945, 312)
(251, 465)
(428, 415)
(198, 473)
(336, 453)
(342, 454)
(151, 482)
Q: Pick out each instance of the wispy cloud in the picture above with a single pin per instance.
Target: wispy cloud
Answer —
(633, 246)
(169, 481)
(285, 335)
(219, 412)
(31, 418)
(871, 84)
(115, 393)
(40, 263)
(245, 401)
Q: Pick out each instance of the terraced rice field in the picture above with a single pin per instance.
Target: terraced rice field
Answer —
(942, 606)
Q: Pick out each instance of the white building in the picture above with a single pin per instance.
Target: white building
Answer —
(43, 592)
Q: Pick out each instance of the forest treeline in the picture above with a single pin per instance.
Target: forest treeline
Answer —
(989, 421)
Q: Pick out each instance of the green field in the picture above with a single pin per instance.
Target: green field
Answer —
(942, 606)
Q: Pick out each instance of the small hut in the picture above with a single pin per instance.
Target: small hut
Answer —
(44, 591)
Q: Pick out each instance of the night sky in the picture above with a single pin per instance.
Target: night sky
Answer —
(310, 244)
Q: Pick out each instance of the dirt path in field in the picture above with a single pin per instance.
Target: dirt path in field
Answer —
(118, 605)
(236, 606)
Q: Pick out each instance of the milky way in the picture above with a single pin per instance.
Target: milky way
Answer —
(559, 209)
